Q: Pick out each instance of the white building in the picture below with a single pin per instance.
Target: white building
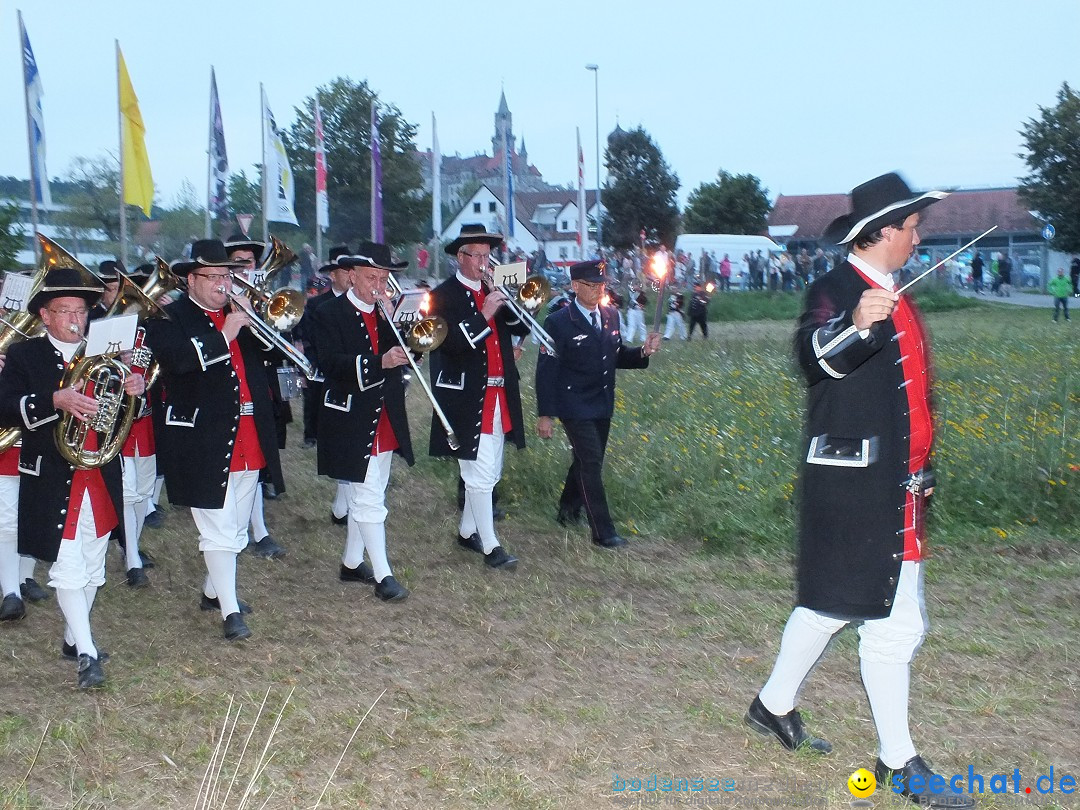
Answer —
(90, 246)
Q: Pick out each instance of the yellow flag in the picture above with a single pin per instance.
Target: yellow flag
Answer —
(138, 183)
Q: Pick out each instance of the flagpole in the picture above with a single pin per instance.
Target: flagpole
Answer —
(373, 127)
(262, 118)
(120, 129)
(209, 153)
(29, 145)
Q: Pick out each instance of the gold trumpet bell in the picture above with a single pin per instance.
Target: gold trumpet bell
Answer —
(534, 293)
(426, 335)
(285, 308)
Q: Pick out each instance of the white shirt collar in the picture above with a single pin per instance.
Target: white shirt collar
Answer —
(360, 305)
(588, 312)
(468, 282)
(67, 350)
(881, 279)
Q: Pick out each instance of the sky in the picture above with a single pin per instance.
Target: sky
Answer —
(811, 97)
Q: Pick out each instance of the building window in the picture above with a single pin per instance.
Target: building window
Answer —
(491, 208)
(565, 225)
(564, 253)
(476, 208)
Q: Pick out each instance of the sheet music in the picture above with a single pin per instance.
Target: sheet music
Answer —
(111, 335)
(16, 290)
(409, 307)
(509, 275)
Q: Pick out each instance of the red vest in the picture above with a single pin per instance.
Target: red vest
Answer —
(247, 452)
(385, 440)
(495, 368)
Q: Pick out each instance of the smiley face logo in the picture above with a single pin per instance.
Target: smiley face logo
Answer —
(862, 783)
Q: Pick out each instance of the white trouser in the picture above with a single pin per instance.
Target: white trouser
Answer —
(9, 535)
(367, 498)
(225, 529)
(140, 475)
(886, 647)
(81, 562)
(675, 323)
(480, 477)
(635, 321)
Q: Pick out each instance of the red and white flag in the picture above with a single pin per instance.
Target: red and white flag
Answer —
(583, 222)
(322, 202)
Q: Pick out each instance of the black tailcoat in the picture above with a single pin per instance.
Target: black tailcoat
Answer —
(851, 517)
(202, 404)
(459, 369)
(32, 373)
(357, 390)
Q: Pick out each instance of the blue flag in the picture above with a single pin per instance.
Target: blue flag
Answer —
(509, 193)
(35, 122)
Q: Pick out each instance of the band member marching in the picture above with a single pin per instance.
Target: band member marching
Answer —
(363, 421)
(475, 381)
(219, 424)
(66, 515)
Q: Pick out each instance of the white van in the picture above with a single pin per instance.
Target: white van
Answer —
(734, 245)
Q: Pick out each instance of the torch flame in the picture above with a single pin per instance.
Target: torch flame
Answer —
(605, 300)
(425, 303)
(659, 266)
(710, 287)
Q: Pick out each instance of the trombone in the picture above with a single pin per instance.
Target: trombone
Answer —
(270, 334)
(529, 297)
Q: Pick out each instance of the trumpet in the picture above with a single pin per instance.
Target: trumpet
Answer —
(529, 297)
(269, 335)
(423, 336)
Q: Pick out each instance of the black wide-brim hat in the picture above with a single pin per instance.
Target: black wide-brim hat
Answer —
(205, 253)
(141, 274)
(372, 254)
(335, 253)
(238, 241)
(106, 270)
(474, 234)
(63, 282)
(592, 271)
(876, 203)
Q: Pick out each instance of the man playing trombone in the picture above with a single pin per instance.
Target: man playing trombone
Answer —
(219, 421)
(475, 381)
(363, 420)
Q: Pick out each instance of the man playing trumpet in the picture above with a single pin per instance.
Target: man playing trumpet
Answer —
(362, 421)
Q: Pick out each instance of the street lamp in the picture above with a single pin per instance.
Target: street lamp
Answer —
(596, 96)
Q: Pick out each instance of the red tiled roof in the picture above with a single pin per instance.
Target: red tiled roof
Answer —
(962, 212)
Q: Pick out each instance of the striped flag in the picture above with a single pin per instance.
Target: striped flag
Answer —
(219, 160)
(376, 179)
(35, 121)
(583, 226)
(322, 202)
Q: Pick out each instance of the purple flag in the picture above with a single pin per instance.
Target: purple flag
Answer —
(376, 180)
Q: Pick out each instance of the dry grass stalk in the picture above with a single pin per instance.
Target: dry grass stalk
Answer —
(337, 764)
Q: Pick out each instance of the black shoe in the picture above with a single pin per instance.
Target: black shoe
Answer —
(71, 653)
(155, 519)
(137, 578)
(32, 592)
(269, 491)
(498, 558)
(147, 558)
(236, 628)
(497, 514)
(362, 573)
(924, 798)
(471, 543)
(390, 590)
(12, 609)
(339, 521)
(309, 442)
(609, 542)
(206, 603)
(787, 728)
(267, 548)
(567, 517)
(90, 672)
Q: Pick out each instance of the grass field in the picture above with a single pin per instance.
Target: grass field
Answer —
(543, 688)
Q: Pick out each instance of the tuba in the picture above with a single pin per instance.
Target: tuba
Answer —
(20, 325)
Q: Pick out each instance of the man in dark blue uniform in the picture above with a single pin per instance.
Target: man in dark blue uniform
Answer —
(577, 385)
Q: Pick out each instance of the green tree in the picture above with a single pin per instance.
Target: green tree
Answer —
(346, 116)
(244, 197)
(640, 192)
(94, 199)
(1052, 144)
(177, 225)
(731, 204)
(12, 238)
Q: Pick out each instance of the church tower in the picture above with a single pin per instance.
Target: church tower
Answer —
(504, 121)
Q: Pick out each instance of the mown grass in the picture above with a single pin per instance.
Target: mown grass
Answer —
(529, 691)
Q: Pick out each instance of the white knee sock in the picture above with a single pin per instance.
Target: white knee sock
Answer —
(131, 537)
(157, 492)
(221, 569)
(374, 535)
(340, 507)
(887, 687)
(801, 646)
(76, 614)
(258, 520)
(9, 566)
(478, 512)
(354, 546)
(26, 567)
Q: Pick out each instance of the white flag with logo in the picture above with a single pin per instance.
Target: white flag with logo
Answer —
(278, 183)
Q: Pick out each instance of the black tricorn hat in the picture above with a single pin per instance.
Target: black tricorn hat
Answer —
(205, 253)
(372, 254)
(66, 281)
(593, 271)
(238, 241)
(106, 271)
(141, 274)
(336, 253)
(474, 233)
(877, 203)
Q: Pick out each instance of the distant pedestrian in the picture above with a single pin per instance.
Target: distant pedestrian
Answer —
(977, 273)
(1005, 275)
(675, 322)
(725, 273)
(1074, 274)
(699, 308)
(1061, 288)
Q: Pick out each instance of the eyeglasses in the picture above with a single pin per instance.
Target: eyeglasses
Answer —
(215, 277)
(482, 256)
(592, 285)
(64, 313)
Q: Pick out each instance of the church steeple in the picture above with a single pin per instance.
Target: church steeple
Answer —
(504, 120)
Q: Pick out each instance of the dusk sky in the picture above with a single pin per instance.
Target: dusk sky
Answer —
(810, 97)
